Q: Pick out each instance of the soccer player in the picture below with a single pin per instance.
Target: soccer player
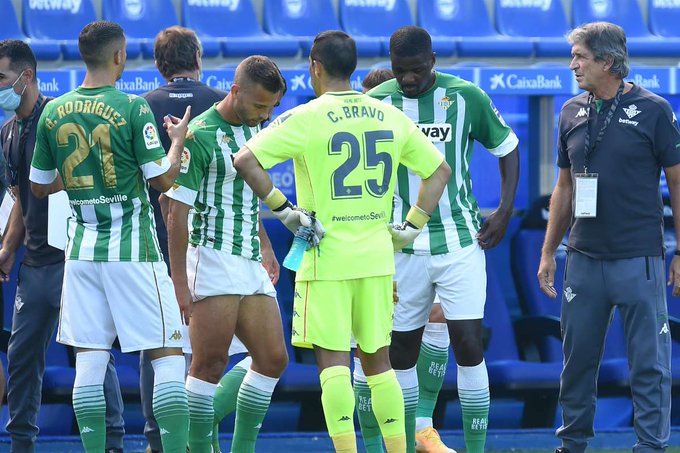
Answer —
(346, 149)
(448, 259)
(102, 146)
(38, 297)
(375, 77)
(220, 281)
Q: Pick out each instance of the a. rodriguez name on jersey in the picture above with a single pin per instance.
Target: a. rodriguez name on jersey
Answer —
(436, 132)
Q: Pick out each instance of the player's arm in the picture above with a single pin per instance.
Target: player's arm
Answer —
(41, 190)
(13, 238)
(269, 261)
(495, 225)
(178, 241)
(177, 129)
(559, 219)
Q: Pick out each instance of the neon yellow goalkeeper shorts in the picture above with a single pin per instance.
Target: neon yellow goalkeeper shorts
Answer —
(326, 313)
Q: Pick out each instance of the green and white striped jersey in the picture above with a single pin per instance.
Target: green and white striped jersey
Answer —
(105, 145)
(453, 114)
(225, 208)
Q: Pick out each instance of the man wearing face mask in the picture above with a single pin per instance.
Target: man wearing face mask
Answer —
(38, 295)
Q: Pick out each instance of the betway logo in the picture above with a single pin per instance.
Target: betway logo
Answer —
(69, 5)
(436, 132)
(231, 5)
(543, 4)
(515, 82)
(51, 86)
(386, 4)
(649, 83)
(138, 84)
(666, 3)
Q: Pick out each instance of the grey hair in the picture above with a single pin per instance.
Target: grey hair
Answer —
(604, 40)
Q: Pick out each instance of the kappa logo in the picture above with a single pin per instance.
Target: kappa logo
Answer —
(18, 303)
(569, 294)
(390, 420)
(144, 109)
(258, 426)
(297, 295)
(581, 113)
(209, 434)
(86, 430)
(664, 329)
(176, 335)
(631, 111)
(164, 431)
(344, 418)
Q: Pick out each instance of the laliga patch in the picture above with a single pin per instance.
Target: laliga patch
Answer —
(151, 136)
(184, 161)
(438, 132)
(498, 114)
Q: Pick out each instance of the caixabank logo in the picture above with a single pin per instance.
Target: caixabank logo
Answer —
(138, 82)
(505, 81)
(657, 80)
(54, 83)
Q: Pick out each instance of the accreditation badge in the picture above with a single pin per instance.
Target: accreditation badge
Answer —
(585, 195)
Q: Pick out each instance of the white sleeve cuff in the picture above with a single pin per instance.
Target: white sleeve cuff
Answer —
(39, 176)
(155, 168)
(182, 194)
(505, 148)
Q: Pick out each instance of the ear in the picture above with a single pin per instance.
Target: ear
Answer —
(235, 87)
(608, 63)
(118, 57)
(29, 76)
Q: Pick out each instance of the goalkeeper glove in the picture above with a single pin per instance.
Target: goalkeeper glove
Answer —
(293, 217)
(405, 233)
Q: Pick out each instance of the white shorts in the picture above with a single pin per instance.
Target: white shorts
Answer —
(213, 272)
(133, 300)
(458, 278)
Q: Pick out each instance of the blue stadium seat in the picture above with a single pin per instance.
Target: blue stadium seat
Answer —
(304, 19)
(43, 50)
(142, 20)
(546, 26)
(235, 29)
(374, 20)
(58, 21)
(627, 14)
(467, 22)
(664, 18)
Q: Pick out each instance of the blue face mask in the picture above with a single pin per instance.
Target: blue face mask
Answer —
(9, 99)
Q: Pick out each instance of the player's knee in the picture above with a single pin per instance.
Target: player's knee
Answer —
(469, 350)
(273, 365)
(404, 349)
(209, 370)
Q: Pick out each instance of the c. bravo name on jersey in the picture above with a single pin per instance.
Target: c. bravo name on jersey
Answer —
(98, 108)
(356, 111)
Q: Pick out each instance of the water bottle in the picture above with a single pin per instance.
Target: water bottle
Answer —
(301, 242)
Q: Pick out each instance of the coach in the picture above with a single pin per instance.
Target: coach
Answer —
(613, 141)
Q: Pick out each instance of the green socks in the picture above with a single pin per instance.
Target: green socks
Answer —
(388, 406)
(252, 404)
(89, 404)
(432, 362)
(201, 415)
(370, 431)
(170, 404)
(337, 399)
(224, 402)
(473, 392)
(90, 409)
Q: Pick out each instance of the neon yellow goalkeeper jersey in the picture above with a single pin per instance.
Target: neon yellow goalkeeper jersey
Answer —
(346, 148)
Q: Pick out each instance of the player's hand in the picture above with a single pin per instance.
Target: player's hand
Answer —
(6, 264)
(270, 264)
(176, 127)
(674, 275)
(403, 234)
(493, 229)
(184, 301)
(319, 233)
(546, 275)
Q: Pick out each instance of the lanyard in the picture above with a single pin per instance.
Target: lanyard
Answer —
(23, 137)
(610, 114)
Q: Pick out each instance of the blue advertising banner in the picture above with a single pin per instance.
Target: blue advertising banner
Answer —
(538, 81)
(133, 82)
(655, 79)
(54, 83)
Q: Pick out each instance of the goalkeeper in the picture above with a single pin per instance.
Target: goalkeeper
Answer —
(346, 149)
